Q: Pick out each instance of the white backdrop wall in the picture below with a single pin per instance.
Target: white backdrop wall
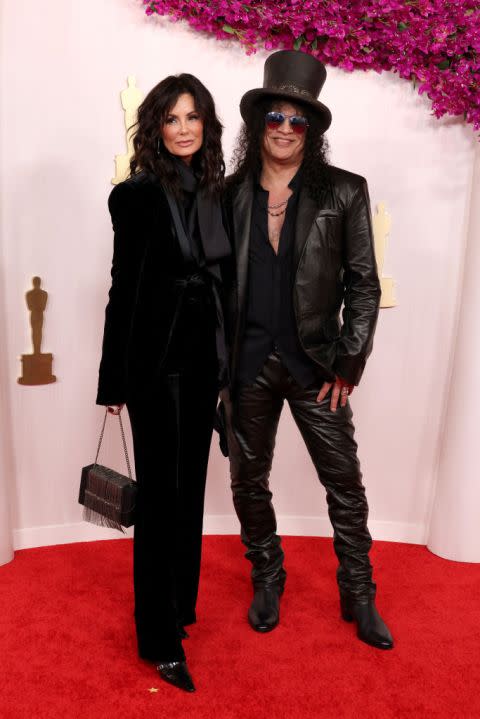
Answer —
(6, 453)
(454, 531)
(61, 123)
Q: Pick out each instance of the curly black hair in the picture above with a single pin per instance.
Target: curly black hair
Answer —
(149, 151)
(247, 157)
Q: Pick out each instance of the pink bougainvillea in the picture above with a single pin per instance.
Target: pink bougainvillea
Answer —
(433, 43)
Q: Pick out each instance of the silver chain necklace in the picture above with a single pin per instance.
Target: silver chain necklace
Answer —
(276, 214)
(280, 204)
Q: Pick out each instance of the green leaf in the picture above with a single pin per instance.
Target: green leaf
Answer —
(402, 26)
(314, 44)
(229, 29)
(298, 42)
(444, 65)
(367, 49)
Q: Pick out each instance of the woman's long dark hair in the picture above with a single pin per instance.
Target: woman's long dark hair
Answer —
(150, 153)
(247, 156)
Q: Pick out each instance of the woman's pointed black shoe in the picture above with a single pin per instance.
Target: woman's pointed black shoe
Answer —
(176, 673)
(371, 628)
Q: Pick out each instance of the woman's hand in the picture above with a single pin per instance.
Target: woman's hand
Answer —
(115, 408)
(341, 390)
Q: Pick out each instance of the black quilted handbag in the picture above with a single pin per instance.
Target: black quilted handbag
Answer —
(108, 497)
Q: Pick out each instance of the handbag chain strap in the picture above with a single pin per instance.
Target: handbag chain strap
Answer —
(123, 440)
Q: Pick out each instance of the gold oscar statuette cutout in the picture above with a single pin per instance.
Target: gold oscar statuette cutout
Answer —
(382, 223)
(131, 98)
(37, 367)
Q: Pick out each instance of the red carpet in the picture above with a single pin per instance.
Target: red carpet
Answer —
(67, 645)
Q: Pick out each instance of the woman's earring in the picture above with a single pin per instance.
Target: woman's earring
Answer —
(158, 147)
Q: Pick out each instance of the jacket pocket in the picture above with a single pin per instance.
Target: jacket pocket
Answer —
(330, 228)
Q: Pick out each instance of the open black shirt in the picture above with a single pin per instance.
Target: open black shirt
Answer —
(270, 320)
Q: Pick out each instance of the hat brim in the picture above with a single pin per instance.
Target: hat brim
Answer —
(319, 108)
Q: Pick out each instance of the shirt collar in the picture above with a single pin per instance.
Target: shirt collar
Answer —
(294, 183)
(296, 180)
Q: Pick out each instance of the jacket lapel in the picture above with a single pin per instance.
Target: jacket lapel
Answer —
(242, 217)
(306, 211)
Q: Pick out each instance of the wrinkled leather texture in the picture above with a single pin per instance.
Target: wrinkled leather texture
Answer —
(329, 437)
(334, 263)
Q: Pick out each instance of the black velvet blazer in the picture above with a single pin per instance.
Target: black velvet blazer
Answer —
(334, 264)
(143, 297)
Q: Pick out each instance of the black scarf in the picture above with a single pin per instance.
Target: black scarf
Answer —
(203, 242)
(203, 219)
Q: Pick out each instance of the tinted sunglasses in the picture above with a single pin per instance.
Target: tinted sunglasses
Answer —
(274, 119)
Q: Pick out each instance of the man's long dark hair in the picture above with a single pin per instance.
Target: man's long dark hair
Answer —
(247, 156)
(150, 153)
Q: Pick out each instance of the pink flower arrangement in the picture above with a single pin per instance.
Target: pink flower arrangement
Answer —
(433, 43)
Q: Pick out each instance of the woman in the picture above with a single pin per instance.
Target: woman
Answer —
(163, 350)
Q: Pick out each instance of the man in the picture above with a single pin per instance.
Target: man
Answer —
(303, 245)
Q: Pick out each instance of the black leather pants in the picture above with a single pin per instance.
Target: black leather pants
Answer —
(252, 427)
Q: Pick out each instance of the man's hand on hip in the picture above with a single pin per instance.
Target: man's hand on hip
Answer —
(340, 391)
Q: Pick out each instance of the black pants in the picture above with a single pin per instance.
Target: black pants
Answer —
(172, 430)
(329, 437)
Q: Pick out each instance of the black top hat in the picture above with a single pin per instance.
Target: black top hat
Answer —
(295, 76)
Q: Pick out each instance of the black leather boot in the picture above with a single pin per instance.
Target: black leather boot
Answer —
(370, 626)
(176, 673)
(264, 611)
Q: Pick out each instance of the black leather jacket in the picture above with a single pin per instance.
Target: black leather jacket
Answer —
(334, 264)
